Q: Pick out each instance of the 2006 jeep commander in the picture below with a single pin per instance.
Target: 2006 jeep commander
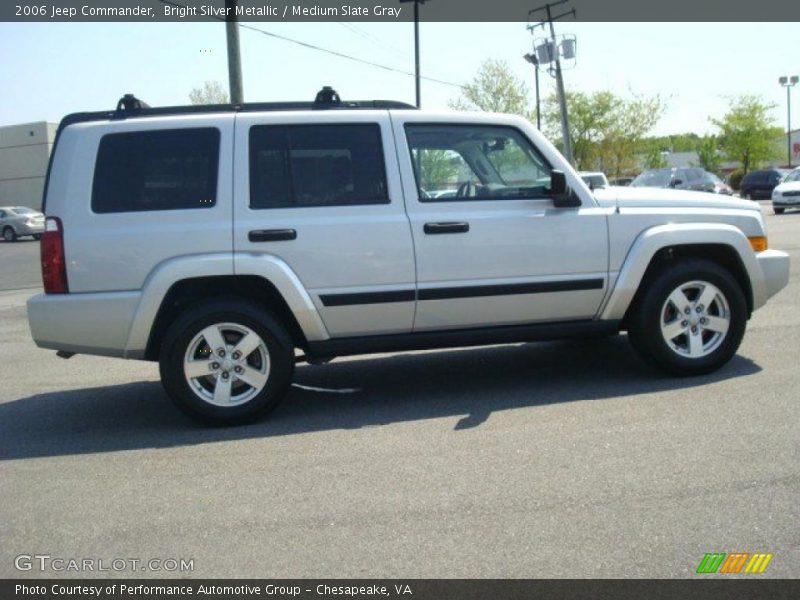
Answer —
(218, 240)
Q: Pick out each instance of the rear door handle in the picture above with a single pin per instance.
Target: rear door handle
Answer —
(437, 228)
(272, 235)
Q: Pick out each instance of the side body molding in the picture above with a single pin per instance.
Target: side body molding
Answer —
(652, 240)
(165, 275)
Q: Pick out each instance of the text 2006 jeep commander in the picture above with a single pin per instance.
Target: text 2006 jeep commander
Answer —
(218, 240)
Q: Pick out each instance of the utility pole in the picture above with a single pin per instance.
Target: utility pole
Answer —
(531, 58)
(234, 55)
(416, 47)
(562, 101)
(789, 83)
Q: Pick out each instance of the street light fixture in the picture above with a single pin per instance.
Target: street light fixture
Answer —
(531, 58)
(788, 83)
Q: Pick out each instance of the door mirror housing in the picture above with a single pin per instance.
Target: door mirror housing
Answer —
(563, 196)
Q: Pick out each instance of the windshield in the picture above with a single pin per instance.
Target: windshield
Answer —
(793, 176)
(653, 178)
(23, 210)
(710, 177)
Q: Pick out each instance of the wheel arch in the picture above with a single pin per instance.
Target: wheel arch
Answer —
(655, 248)
(182, 282)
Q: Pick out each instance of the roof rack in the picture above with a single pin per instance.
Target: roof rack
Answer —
(129, 106)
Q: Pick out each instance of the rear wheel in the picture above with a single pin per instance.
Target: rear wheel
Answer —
(226, 362)
(690, 320)
(9, 234)
(37, 236)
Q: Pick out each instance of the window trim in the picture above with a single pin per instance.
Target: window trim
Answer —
(371, 124)
(218, 132)
(524, 136)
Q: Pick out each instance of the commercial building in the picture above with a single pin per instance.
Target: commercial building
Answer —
(24, 153)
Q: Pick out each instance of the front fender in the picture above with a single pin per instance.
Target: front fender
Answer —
(654, 239)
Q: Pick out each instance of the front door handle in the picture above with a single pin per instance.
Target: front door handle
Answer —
(437, 228)
(272, 235)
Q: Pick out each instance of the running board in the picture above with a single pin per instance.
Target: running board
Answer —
(507, 334)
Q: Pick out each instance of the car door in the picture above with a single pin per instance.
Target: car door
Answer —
(491, 247)
(321, 193)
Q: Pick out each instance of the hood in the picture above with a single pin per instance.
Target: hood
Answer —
(644, 197)
(789, 186)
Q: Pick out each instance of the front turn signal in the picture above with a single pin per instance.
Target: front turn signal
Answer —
(759, 243)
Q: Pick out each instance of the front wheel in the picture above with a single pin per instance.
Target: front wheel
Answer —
(690, 320)
(778, 211)
(226, 362)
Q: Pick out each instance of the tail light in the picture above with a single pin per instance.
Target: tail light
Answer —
(54, 264)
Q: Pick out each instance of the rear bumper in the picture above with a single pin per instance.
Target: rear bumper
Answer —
(83, 323)
(774, 265)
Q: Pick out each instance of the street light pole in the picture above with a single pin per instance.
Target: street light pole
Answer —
(788, 83)
(416, 48)
(531, 58)
(234, 55)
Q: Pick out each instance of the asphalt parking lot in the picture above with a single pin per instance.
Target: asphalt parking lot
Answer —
(566, 459)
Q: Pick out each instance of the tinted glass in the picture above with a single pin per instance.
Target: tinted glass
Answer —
(475, 163)
(316, 165)
(156, 170)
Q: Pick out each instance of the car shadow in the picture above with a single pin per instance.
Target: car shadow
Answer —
(469, 384)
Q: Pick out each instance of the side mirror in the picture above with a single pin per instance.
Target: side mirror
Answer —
(563, 197)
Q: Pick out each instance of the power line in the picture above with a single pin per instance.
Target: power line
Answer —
(326, 50)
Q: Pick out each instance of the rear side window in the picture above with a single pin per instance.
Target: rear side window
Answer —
(156, 170)
(294, 166)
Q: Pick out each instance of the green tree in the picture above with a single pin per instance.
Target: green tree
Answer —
(747, 132)
(654, 158)
(606, 130)
(708, 153)
(212, 92)
(494, 89)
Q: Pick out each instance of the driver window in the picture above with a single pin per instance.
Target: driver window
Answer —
(469, 162)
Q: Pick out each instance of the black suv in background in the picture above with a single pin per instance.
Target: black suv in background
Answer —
(682, 178)
(759, 184)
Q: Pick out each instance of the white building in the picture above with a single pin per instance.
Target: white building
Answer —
(24, 153)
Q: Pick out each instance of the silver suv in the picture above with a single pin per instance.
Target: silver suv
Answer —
(230, 242)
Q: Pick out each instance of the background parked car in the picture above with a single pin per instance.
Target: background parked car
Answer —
(16, 221)
(787, 193)
(596, 180)
(759, 184)
(622, 181)
(684, 178)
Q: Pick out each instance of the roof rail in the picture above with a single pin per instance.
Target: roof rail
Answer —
(129, 106)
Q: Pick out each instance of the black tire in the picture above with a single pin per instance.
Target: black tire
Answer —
(37, 236)
(747, 196)
(9, 234)
(189, 325)
(778, 211)
(644, 323)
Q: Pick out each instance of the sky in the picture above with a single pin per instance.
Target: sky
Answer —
(50, 69)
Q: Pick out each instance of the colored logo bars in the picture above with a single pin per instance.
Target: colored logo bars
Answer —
(720, 562)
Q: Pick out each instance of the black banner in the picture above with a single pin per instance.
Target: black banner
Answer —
(397, 10)
(416, 589)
